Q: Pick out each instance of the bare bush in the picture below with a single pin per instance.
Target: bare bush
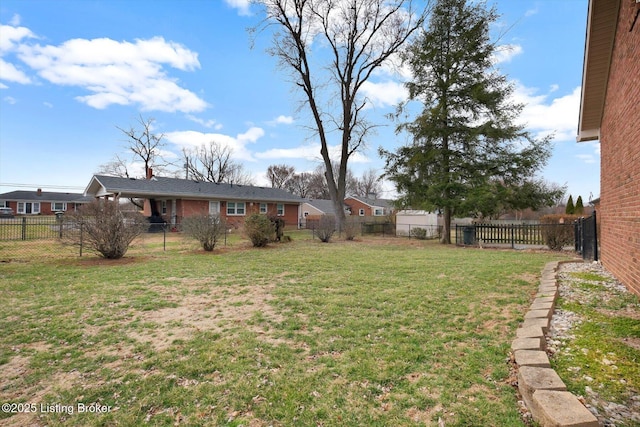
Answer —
(558, 231)
(206, 229)
(102, 226)
(351, 227)
(326, 227)
(259, 229)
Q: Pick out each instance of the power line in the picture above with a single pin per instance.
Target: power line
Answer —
(61, 187)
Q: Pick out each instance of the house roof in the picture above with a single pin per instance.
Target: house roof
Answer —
(161, 187)
(378, 203)
(325, 206)
(44, 196)
(602, 19)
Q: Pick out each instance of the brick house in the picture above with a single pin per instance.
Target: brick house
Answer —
(41, 202)
(610, 112)
(173, 199)
(366, 206)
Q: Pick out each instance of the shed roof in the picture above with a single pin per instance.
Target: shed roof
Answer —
(161, 187)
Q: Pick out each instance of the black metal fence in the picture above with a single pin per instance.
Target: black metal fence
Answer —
(31, 228)
(586, 233)
(510, 234)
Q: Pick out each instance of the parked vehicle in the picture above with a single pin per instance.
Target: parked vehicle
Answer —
(6, 213)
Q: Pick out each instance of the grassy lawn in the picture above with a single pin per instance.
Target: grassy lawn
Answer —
(374, 332)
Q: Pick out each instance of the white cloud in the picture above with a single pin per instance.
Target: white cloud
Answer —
(237, 144)
(384, 94)
(9, 100)
(310, 152)
(531, 12)
(544, 116)
(10, 39)
(206, 123)
(506, 52)
(113, 72)
(587, 158)
(281, 120)
(241, 5)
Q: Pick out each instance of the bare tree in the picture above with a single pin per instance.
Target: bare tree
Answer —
(280, 175)
(116, 167)
(212, 162)
(368, 184)
(146, 146)
(299, 184)
(361, 36)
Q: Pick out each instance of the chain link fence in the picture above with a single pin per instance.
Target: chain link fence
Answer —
(25, 238)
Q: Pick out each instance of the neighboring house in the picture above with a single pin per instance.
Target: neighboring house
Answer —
(41, 202)
(173, 199)
(312, 210)
(609, 112)
(363, 206)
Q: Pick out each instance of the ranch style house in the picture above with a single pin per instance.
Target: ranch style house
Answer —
(171, 199)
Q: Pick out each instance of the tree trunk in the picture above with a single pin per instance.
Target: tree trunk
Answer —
(446, 226)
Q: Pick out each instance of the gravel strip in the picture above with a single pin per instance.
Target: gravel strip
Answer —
(560, 336)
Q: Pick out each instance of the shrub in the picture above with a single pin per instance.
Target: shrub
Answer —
(326, 227)
(558, 231)
(259, 229)
(206, 229)
(579, 207)
(570, 209)
(105, 228)
(419, 233)
(351, 227)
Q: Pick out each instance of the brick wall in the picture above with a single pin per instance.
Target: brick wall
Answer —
(620, 152)
(186, 207)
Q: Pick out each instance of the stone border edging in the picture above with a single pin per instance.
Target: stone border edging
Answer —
(542, 390)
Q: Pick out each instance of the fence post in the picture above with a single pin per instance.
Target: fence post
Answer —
(513, 246)
(81, 235)
(24, 228)
(595, 236)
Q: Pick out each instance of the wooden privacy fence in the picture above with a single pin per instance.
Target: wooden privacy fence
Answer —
(510, 234)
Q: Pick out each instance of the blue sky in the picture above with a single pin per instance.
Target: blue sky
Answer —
(71, 72)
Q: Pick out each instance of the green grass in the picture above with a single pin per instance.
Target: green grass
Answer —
(604, 356)
(374, 332)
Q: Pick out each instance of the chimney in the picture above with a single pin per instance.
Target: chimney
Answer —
(39, 192)
(149, 173)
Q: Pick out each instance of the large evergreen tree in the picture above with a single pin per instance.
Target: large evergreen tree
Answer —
(467, 153)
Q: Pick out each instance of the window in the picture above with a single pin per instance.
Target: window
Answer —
(58, 206)
(29, 208)
(214, 207)
(361, 212)
(163, 208)
(263, 208)
(235, 208)
(378, 212)
(4, 204)
(280, 208)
